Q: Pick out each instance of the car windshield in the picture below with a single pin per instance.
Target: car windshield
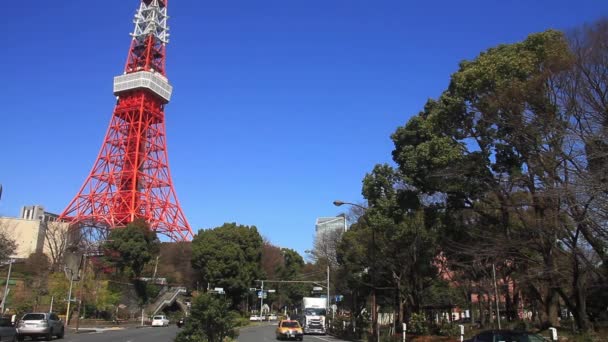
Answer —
(314, 312)
(290, 325)
(33, 317)
(158, 317)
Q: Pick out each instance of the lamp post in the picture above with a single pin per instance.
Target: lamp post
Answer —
(8, 278)
(67, 311)
(375, 333)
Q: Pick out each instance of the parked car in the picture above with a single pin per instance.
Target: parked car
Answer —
(40, 324)
(289, 329)
(506, 336)
(272, 317)
(160, 321)
(255, 318)
(7, 330)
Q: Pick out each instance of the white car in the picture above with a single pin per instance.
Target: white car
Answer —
(160, 321)
(272, 317)
(255, 318)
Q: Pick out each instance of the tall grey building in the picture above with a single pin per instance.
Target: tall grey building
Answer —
(328, 232)
(326, 224)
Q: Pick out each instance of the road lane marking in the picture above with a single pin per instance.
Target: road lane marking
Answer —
(322, 339)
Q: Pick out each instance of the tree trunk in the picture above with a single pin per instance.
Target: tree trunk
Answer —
(549, 314)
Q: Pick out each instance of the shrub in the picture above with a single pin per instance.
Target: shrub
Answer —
(418, 324)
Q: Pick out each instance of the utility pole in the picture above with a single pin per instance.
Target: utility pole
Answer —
(67, 312)
(155, 268)
(261, 300)
(80, 296)
(328, 299)
(8, 278)
(496, 294)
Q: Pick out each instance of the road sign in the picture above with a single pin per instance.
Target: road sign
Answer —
(272, 291)
(317, 288)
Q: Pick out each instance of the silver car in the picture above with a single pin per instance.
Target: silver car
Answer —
(7, 330)
(41, 324)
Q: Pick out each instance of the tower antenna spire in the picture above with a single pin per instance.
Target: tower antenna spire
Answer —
(131, 178)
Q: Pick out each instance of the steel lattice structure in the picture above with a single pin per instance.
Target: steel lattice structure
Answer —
(130, 178)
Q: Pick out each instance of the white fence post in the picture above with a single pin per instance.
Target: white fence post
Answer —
(553, 332)
(461, 332)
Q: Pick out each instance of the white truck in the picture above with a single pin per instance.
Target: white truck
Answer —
(313, 315)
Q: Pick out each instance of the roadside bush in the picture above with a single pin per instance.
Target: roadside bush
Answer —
(418, 324)
(448, 329)
(211, 320)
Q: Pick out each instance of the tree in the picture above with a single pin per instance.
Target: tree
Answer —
(325, 246)
(56, 240)
(174, 263)
(291, 268)
(211, 320)
(229, 257)
(132, 247)
(7, 245)
(405, 238)
(503, 154)
(37, 269)
(272, 259)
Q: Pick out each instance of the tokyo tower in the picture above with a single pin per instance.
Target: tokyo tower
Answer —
(130, 179)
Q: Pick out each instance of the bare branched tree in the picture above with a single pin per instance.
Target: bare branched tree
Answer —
(325, 245)
(7, 245)
(56, 240)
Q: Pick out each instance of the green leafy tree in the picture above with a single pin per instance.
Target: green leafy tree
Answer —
(498, 154)
(291, 269)
(229, 257)
(132, 247)
(211, 320)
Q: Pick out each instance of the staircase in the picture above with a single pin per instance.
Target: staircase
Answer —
(166, 299)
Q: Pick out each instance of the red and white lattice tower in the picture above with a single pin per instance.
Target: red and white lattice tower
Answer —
(130, 178)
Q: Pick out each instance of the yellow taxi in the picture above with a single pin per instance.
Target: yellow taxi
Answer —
(289, 329)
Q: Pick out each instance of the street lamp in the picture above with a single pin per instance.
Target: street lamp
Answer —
(67, 312)
(8, 278)
(375, 333)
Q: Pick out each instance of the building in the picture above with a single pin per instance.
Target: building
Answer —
(328, 232)
(330, 224)
(29, 231)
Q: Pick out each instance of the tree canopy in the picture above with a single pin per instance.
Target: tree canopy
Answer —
(132, 247)
(229, 257)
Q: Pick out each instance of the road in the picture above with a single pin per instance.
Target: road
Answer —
(256, 333)
(265, 333)
(147, 334)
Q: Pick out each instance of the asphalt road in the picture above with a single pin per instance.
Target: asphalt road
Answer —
(148, 334)
(265, 333)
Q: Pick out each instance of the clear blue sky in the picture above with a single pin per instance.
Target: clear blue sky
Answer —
(279, 107)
